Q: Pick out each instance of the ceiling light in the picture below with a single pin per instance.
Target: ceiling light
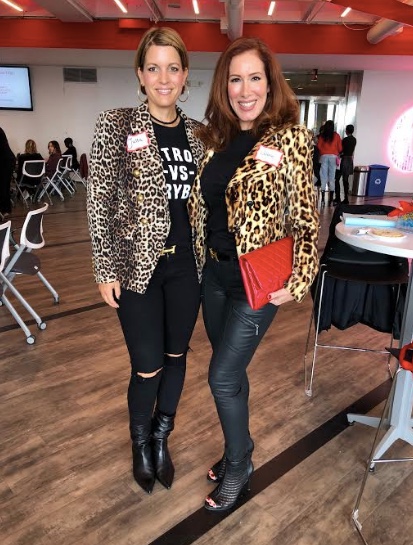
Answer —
(345, 12)
(271, 8)
(12, 5)
(120, 6)
(195, 6)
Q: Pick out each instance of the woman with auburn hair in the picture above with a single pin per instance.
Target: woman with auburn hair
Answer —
(281, 105)
(257, 168)
(55, 154)
(142, 167)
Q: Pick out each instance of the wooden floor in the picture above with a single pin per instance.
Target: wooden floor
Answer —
(65, 467)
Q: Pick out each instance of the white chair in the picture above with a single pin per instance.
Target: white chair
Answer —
(5, 284)
(74, 173)
(31, 178)
(51, 184)
(23, 261)
(65, 174)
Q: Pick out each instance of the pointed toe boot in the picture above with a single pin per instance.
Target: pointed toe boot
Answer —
(142, 457)
(162, 425)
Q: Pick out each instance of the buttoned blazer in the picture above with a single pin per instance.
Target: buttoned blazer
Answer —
(261, 196)
(127, 201)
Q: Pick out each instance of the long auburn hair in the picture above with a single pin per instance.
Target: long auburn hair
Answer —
(281, 108)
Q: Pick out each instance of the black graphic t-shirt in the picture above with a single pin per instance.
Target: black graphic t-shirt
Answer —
(179, 169)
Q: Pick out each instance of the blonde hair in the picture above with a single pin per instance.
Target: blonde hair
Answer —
(160, 36)
(30, 146)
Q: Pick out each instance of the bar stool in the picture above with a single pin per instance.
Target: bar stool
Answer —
(405, 359)
(349, 280)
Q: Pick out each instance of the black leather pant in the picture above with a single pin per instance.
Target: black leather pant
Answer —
(235, 331)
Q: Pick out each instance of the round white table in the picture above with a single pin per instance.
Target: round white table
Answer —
(400, 420)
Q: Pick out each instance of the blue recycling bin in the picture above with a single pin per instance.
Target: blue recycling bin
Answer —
(376, 180)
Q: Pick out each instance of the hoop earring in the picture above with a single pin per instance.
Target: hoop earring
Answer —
(185, 89)
(141, 90)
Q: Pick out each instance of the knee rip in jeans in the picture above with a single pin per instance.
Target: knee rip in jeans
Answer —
(145, 376)
(175, 360)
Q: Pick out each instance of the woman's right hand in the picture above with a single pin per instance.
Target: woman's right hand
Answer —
(109, 291)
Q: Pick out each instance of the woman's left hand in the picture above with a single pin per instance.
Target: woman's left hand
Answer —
(279, 297)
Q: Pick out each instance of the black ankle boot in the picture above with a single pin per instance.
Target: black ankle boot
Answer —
(162, 425)
(143, 469)
(330, 197)
(322, 202)
(217, 471)
(235, 483)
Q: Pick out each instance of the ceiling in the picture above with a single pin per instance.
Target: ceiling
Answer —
(364, 12)
(304, 33)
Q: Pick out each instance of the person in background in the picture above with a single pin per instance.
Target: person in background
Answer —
(316, 159)
(7, 164)
(71, 150)
(30, 154)
(54, 156)
(347, 166)
(142, 166)
(258, 166)
(329, 145)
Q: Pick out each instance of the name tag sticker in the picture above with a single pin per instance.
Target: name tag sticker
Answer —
(272, 156)
(137, 141)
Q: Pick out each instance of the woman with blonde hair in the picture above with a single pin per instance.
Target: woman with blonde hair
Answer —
(142, 167)
(30, 154)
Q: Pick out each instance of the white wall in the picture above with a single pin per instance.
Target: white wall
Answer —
(384, 96)
(70, 109)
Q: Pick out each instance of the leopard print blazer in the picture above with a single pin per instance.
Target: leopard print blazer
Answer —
(127, 202)
(259, 198)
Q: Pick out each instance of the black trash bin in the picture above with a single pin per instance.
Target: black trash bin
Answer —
(359, 181)
(376, 180)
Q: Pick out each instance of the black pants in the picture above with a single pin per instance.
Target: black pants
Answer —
(162, 319)
(235, 331)
(6, 172)
(345, 171)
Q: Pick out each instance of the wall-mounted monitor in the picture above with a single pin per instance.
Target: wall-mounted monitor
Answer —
(15, 88)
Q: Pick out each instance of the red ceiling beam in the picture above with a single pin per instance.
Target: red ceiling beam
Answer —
(388, 9)
(282, 38)
(134, 23)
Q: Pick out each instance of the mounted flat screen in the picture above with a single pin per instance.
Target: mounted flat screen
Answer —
(15, 88)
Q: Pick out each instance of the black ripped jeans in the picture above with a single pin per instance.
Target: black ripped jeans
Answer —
(157, 323)
(235, 331)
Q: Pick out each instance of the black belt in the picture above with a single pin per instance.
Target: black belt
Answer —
(219, 256)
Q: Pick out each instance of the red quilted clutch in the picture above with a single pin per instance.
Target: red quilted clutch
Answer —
(265, 270)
